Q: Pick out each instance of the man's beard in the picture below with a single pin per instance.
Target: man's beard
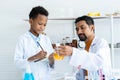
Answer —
(82, 37)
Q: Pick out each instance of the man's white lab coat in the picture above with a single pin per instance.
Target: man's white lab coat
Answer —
(25, 48)
(97, 58)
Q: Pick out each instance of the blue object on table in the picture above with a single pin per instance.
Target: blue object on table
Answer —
(28, 76)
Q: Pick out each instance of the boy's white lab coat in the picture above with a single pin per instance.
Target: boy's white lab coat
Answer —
(25, 48)
(97, 58)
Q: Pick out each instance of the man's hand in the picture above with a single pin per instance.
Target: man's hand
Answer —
(39, 56)
(65, 50)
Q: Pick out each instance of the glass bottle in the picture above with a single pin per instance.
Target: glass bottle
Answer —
(68, 42)
(74, 43)
(28, 74)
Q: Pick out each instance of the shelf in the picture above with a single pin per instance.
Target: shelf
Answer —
(61, 19)
(116, 45)
(73, 18)
(96, 17)
(55, 19)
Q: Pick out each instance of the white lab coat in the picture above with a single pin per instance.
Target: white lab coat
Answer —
(25, 48)
(97, 58)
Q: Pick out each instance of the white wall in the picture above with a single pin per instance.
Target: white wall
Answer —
(12, 24)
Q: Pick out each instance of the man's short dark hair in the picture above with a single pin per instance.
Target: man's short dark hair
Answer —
(38, 10)
(87, 19)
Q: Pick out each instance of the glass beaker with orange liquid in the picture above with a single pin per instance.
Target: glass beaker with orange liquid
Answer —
(58, 57)
(56, 53)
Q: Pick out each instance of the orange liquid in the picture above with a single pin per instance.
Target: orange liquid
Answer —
(58, 57)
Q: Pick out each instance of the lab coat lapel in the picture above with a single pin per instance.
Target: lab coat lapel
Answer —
(42, 43)
(93, 46)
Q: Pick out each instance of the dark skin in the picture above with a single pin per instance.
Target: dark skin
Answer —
(37, 26)
(88, 31)
(83, 29)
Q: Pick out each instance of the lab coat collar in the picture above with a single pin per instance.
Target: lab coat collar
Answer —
(34, 37)
(94, 41)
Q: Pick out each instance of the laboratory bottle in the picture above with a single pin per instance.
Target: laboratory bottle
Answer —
(28, 74)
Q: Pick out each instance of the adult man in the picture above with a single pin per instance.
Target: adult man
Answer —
(33, 47)
(96, 55)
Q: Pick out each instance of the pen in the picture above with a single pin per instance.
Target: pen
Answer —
(40, 46)
(42, 50)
